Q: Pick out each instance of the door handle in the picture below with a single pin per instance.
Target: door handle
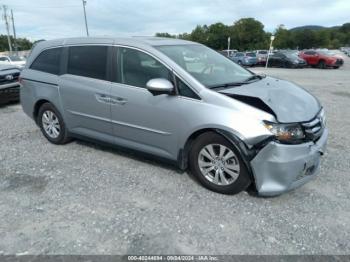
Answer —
(103, 98)
(118, 100)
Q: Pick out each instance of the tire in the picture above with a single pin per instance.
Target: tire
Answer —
(335, 67)
(322, 64)
(239, 62)
(225, 183)
(52, 125)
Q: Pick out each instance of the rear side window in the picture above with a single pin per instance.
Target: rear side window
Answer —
(48, 61)
(88, 61)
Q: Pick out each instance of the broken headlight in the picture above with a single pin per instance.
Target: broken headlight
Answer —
(286, 133)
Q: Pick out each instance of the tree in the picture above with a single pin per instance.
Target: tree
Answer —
(200, 34)
(283, 39)
(305, 39)
(22, 43)
(249, 34)
(165, 35)
(217, 36)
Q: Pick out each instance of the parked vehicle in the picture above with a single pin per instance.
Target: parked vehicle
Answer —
(287, 59)
(321, 58)
(228, 52)
(245, 59)
(231, 127)
(9, 85)
(346, 51)
(261, 56)
(13, 60)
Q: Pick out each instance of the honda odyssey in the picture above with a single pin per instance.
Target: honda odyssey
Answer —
(181, 101)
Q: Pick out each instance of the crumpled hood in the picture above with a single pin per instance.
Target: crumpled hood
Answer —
(289, 102)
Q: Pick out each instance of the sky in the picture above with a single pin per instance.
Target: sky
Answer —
(49, 19)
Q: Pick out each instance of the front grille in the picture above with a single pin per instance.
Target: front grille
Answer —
(314, 129)
(3, 79)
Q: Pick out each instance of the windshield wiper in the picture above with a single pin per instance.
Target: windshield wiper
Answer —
(227, 85)
(245, 82)
(253, 77)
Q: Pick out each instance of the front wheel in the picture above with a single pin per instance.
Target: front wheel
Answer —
(217, 164)
(322, 64)
(52, 125)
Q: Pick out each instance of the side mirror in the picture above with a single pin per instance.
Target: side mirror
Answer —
(160, 86)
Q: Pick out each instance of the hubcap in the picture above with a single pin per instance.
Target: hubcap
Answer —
(51, 124)
(218, 164)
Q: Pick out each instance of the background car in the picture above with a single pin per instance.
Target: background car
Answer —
(245, 59)
(13, 60)
(287, 59)
(9, 85)
(321, 58)
(261, 56)
(228, 53)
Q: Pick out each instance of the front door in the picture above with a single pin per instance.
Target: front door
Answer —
(141, 120)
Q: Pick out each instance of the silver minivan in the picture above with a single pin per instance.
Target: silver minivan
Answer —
(178, 100)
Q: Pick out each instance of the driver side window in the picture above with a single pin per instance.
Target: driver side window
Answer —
(137, 68)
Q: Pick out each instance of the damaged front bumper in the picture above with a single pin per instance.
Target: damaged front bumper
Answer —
(278, 168)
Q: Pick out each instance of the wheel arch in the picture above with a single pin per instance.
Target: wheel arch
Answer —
(235, 139)
(37, 106)
(246, 154)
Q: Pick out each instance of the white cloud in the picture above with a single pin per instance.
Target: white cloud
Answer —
(53, 19)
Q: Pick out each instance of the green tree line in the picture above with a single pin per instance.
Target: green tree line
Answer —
(22, 43)
(249, 34)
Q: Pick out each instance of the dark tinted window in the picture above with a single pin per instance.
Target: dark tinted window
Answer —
(137, 68)
(184, 90)
(89, 61)
(309, 53)
(48, 61)
(278, 55)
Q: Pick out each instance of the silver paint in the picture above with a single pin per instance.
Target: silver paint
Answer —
(131, 116)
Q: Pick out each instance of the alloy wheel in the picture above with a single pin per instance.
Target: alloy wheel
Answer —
(51, 124)
(218, 164)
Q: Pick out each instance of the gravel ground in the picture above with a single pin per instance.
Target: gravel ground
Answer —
(86, 199)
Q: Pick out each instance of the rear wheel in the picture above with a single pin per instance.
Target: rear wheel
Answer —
(52, 125)
(217, 164)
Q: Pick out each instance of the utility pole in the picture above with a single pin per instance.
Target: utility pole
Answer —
(14, 33)
(270, 50)
(86, 25)
(4, 7)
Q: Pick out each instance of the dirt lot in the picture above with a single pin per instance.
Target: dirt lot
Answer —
(86, 199)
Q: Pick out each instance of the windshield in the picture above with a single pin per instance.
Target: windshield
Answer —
(16, 58)
(250, 54)
(326, 52)
(262, 52)
(292, 55)
(207, 66)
